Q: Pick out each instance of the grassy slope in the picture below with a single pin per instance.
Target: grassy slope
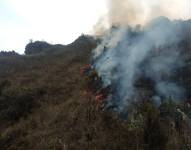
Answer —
(61, 117)
(55, 83)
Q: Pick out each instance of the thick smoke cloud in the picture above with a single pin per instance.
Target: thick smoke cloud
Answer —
(129, 53)
(132, 12)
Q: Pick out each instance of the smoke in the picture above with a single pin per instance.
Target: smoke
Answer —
(127, 54)
(132, 12)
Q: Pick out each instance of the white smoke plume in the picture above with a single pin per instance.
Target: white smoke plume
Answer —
(127, 53)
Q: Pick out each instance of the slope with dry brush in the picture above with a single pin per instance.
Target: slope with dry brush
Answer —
(44, 105)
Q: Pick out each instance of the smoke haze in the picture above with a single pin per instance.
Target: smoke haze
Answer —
(132, 12)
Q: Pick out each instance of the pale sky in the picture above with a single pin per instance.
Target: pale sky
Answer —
(55, 21)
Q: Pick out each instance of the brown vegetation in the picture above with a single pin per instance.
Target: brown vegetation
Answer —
(43, 106)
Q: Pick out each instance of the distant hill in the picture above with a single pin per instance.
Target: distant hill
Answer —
(9, 53)
(38, 47)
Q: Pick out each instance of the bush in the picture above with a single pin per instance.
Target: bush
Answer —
(13, 106)
(3, 84)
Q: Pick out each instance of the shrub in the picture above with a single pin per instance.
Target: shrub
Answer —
(13, 106)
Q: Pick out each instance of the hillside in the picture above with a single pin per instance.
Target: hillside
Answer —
(44, 105)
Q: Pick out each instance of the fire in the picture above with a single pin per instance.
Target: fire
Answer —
(100, 98)
(85, 69)
(93, 88)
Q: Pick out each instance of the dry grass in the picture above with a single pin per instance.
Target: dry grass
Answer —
(63, 118)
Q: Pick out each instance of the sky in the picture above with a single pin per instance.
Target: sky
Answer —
(54, 21)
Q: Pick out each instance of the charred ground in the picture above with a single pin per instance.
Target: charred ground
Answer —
(45, 104)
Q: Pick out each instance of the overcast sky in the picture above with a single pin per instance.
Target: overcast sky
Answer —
(55, 21)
